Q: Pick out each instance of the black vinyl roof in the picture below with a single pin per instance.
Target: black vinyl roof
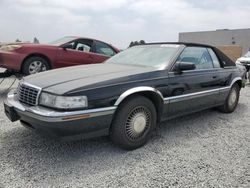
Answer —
(182, 43)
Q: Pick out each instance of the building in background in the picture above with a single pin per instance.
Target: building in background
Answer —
(225, 37)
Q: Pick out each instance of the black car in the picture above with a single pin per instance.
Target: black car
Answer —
(127, 95)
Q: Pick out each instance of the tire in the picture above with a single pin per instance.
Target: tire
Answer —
(35, 65)
(248, 76)
(232, 100)
(133, 123)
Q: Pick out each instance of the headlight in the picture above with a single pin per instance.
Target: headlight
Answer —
(10, 47)
(62, 102)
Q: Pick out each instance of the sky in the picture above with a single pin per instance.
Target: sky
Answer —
(118, 21)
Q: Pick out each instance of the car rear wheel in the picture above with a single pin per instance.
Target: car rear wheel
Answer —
(35, 65)
(232, 100)
(134, 123)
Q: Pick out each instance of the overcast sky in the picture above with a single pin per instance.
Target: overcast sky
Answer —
(118, 21)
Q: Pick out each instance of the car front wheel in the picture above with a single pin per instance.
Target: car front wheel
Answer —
(134, 123)
(35, 65)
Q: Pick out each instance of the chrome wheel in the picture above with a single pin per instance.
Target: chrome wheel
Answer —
(232, 98)
(138, 122)
(36, 66)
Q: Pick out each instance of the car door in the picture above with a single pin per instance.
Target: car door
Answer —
(224, 76)
(78, 52)
(193, 90)
(102, 52)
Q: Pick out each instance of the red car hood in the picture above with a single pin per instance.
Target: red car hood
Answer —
(27, 44)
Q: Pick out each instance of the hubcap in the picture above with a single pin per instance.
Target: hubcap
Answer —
(232, 98)
(138, 122)
(36, 66)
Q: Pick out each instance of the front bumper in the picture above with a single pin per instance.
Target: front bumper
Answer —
(11, 60)
(67, 125)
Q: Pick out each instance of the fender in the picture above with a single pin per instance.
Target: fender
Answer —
(235, 80)
(136, 90)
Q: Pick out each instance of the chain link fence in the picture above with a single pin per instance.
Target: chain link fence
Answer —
(7, 83)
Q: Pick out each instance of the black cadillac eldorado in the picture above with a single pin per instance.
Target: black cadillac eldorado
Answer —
(127, 95)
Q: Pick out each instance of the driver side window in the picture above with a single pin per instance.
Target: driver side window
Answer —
(197, 55)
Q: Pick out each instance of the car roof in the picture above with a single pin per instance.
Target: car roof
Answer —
(182, 43)
(87, 38)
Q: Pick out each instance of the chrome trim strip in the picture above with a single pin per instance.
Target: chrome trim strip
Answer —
(136, 90)
(52, 113)
(179, 98)
(225, 88)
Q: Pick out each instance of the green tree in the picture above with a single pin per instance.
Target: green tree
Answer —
(131, 44)
(36, 41)
(142, 42)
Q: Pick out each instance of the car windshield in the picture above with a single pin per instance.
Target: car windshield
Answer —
(157, 56)
(62, 40)
(247, 54)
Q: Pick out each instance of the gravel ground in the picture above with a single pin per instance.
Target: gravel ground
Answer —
(206, 149)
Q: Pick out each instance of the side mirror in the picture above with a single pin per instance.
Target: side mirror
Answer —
(182, 66)
(67, 46)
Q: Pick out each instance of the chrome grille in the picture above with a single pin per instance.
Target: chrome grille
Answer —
(27, 94)
(245, 62)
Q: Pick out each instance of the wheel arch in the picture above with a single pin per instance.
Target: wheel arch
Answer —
(37, 55)
(237, 80)
(149, 92)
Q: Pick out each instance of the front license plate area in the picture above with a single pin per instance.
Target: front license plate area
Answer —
(11, 113)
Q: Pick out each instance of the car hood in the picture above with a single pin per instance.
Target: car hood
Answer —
(30, 45)
(244, 59)
(64, 80)
(34, 45)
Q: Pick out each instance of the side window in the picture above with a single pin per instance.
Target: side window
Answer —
(81, 45)
(214, 58)
(104, 49)
(197, 55)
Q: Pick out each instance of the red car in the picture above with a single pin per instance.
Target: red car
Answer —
(28, 58)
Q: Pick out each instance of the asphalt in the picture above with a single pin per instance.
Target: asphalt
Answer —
(205, 149)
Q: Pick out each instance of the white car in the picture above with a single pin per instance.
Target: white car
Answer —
(245, 61)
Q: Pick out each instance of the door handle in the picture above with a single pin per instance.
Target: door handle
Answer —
(214, 77)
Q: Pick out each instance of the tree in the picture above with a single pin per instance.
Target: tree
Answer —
(135, 43)
(36, 41)
(142, 42)
(131, 44)
(17, 40)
